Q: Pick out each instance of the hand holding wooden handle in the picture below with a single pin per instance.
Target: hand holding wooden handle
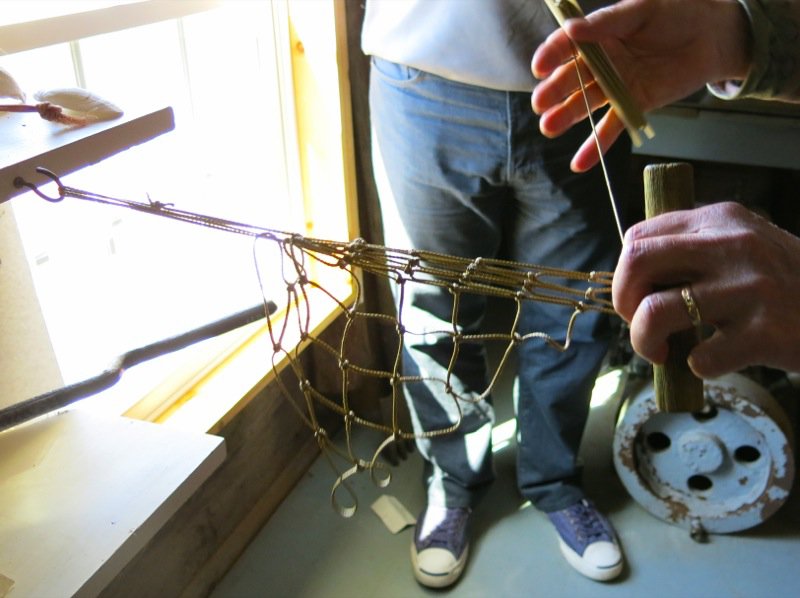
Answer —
(669, 187)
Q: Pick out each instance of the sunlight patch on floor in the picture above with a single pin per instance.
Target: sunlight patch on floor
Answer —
(503, 434)
(605, 388)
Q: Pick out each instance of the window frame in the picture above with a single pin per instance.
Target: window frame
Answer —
(237, 366)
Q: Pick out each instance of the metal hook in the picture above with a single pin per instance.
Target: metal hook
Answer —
(19, 182)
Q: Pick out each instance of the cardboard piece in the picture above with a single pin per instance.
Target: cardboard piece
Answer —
(393, 514)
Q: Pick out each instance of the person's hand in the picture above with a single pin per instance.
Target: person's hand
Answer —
(744, 275)
(664, 50)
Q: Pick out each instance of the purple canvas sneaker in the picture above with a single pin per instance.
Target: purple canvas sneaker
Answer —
(439, 556)
(588, 541)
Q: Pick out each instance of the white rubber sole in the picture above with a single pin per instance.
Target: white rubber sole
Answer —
(445, 575)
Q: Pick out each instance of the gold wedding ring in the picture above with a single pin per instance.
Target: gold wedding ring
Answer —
(691, 307)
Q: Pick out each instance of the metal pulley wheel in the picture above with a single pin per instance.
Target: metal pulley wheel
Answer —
(724, 469)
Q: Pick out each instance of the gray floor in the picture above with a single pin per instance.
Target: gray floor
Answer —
(307, 549)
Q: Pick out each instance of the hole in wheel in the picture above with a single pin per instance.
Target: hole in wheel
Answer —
(658, 441)
(699, 483)
(708, 412)
(747, 454)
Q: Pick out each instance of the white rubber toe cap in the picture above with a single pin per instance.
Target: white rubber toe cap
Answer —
(601, 561)
(437, 567)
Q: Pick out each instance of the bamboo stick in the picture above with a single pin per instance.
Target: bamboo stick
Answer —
(669, 187)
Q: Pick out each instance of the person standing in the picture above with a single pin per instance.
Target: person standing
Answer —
(463, 170)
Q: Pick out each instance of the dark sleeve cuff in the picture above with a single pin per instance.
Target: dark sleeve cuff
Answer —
(775, 70)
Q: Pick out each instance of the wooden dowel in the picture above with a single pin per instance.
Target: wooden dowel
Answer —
(669, 187)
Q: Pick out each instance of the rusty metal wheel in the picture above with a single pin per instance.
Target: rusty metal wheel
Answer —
(721, 470)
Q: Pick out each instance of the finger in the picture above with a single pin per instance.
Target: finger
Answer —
(560, 85)
(608, 130)
(720, 354)
(552, 53)
(651, 263)
(713, 217)
(613, 21)
(571, 111)
(657, 317)
(670, 223)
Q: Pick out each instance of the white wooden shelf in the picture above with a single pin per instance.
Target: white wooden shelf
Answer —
(29, 141)
(81, 494)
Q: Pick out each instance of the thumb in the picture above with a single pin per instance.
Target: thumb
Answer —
(718, 355)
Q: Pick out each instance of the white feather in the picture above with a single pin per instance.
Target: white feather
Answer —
(9, 87)
(82, 101)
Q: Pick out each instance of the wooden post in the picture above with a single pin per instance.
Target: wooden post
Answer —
(669, 187)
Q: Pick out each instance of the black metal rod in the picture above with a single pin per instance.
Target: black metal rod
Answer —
(23, 411)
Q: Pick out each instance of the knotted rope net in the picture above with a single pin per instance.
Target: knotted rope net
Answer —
(578, 292)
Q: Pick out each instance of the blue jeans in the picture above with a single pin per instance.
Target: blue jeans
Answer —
(464, 171)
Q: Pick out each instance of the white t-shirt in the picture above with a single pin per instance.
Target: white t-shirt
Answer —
(488, 43)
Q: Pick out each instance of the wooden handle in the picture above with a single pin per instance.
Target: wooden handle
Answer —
(669, 187)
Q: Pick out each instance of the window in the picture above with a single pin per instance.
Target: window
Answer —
(109, 280)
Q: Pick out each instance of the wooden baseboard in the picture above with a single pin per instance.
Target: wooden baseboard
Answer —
(231, 549)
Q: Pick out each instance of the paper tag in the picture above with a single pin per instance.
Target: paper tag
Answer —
(393, 514)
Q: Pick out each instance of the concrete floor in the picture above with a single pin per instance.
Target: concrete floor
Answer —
(307, 549)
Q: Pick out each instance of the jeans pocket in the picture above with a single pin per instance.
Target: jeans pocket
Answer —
(393, 72)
